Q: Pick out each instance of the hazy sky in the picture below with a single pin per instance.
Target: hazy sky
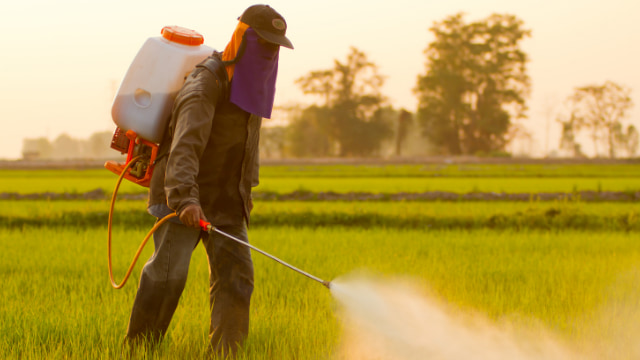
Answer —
(63, 60)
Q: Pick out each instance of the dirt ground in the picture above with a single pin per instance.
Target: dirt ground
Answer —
(99, 163)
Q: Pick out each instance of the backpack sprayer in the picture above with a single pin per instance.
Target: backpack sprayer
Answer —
(141, 110)
(143, 102)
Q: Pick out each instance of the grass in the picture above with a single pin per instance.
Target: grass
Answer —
(556, 278)
(568, 266)
(459, 185)
(465, 178)
(558, 215)
(455, 170)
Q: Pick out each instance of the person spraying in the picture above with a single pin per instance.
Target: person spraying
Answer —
(206, 165)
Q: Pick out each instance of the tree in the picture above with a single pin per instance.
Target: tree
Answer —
(272, 141)
(352, 97)
(475, 84)
(568, 141)
(66, 147)
(601, 109)
(404, 123)
(630, 139)
(307, 133)
(320, 83)
(99, 145)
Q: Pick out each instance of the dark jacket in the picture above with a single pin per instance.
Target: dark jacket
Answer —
(212, 150)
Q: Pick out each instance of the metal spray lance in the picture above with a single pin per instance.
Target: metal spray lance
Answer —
(206, 226)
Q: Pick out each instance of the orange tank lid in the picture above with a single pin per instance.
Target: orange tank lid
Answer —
(180, 35)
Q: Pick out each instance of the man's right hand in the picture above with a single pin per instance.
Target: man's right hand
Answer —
(191, 215)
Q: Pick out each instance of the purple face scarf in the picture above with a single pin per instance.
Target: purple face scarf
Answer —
(253, 87)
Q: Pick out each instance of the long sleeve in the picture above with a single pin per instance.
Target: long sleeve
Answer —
(193, 115)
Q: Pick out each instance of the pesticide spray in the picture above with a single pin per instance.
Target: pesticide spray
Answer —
(392, 320)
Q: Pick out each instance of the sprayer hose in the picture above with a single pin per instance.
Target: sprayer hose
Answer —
(210, 229)
(146, 238)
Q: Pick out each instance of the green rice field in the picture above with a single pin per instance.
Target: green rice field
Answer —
(460, 178)
(569, 267)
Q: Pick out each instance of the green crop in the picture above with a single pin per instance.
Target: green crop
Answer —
(559, 215)
(57, 302)
(459, 185)
(567, 266)
(461, 178)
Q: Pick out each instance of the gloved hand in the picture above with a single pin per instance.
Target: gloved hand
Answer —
(191, 215)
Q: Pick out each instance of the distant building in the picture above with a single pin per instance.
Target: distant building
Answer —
(36, 149)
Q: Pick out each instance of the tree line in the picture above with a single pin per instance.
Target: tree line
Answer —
(472, 100)
(599, 111)
(65, 147)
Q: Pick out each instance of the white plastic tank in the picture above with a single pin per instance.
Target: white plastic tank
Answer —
(145, 97)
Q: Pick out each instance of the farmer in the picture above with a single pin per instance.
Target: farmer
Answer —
(210, 165)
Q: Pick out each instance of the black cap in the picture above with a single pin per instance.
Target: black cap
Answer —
(267, 23)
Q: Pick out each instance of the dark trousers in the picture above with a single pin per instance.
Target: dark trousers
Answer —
(165, 274)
